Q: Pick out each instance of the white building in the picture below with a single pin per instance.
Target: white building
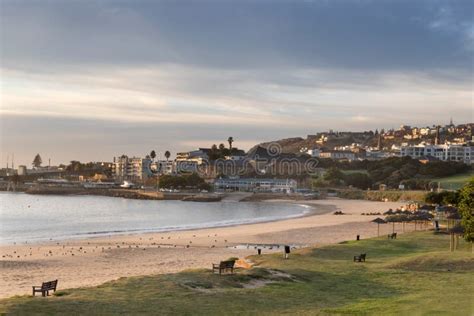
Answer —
(133, 168)
(314, 152)
(189, 161)
(445, 152)
(256, 185)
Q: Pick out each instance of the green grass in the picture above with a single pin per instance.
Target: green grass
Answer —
(455, 182)
(376, 195)
(348, 172)
(413, 275)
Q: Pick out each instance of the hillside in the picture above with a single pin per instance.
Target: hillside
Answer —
(295, 144)
(331, 139)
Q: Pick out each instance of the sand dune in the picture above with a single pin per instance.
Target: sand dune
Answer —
(89, 262)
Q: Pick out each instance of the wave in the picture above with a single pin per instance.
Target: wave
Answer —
(193, 226)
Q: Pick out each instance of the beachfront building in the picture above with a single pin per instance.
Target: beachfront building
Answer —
(256, 185)
(131, 168)
(444, 152)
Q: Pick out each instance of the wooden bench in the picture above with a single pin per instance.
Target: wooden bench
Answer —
(360, 258)
(224, 266)
(46, 287)
(392, 236)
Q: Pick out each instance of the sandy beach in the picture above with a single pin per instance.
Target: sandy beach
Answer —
(89, 262)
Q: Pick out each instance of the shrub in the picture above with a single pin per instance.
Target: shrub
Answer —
(466, 208)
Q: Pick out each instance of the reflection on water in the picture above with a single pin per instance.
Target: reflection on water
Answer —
(34, 218)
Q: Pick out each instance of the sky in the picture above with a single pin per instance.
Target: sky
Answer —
(90, 80)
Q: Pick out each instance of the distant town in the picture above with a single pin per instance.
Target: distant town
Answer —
(404, 158)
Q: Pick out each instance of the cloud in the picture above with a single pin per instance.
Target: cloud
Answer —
(447, 21)
(177, 74)
(357, 34)
(174, 93)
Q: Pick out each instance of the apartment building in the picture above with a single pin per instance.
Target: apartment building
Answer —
(444, 152)
(131, 168)
(161, 167)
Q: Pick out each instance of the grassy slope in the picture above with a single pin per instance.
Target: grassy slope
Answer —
(412, 275)
(454, 182)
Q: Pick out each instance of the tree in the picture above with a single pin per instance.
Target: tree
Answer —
(466, 208)
(214, 153)
(334, 176)
(230, 140)
(37, 161)
(443, 198)
(153, 154)
(75, 166)
(167, 155)
(186, 181)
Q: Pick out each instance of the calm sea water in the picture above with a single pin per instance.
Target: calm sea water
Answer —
(36, 218)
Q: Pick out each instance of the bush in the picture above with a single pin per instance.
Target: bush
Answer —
(183, 181)
(466, 208)
(443, 198)
(334, 176)
(358, 180)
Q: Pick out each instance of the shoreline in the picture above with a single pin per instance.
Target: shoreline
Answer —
(310, 210)
(93, 261)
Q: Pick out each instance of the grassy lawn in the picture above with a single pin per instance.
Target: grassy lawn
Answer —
(413, 275)
(347, 172)
(455, 182)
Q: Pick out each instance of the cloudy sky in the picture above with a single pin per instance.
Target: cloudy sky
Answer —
(90, 79)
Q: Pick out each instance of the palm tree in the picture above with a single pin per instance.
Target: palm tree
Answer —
(167, 155)
(153, 154)
(230, 140)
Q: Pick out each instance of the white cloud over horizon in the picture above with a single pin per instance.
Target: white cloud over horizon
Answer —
(112, 78)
